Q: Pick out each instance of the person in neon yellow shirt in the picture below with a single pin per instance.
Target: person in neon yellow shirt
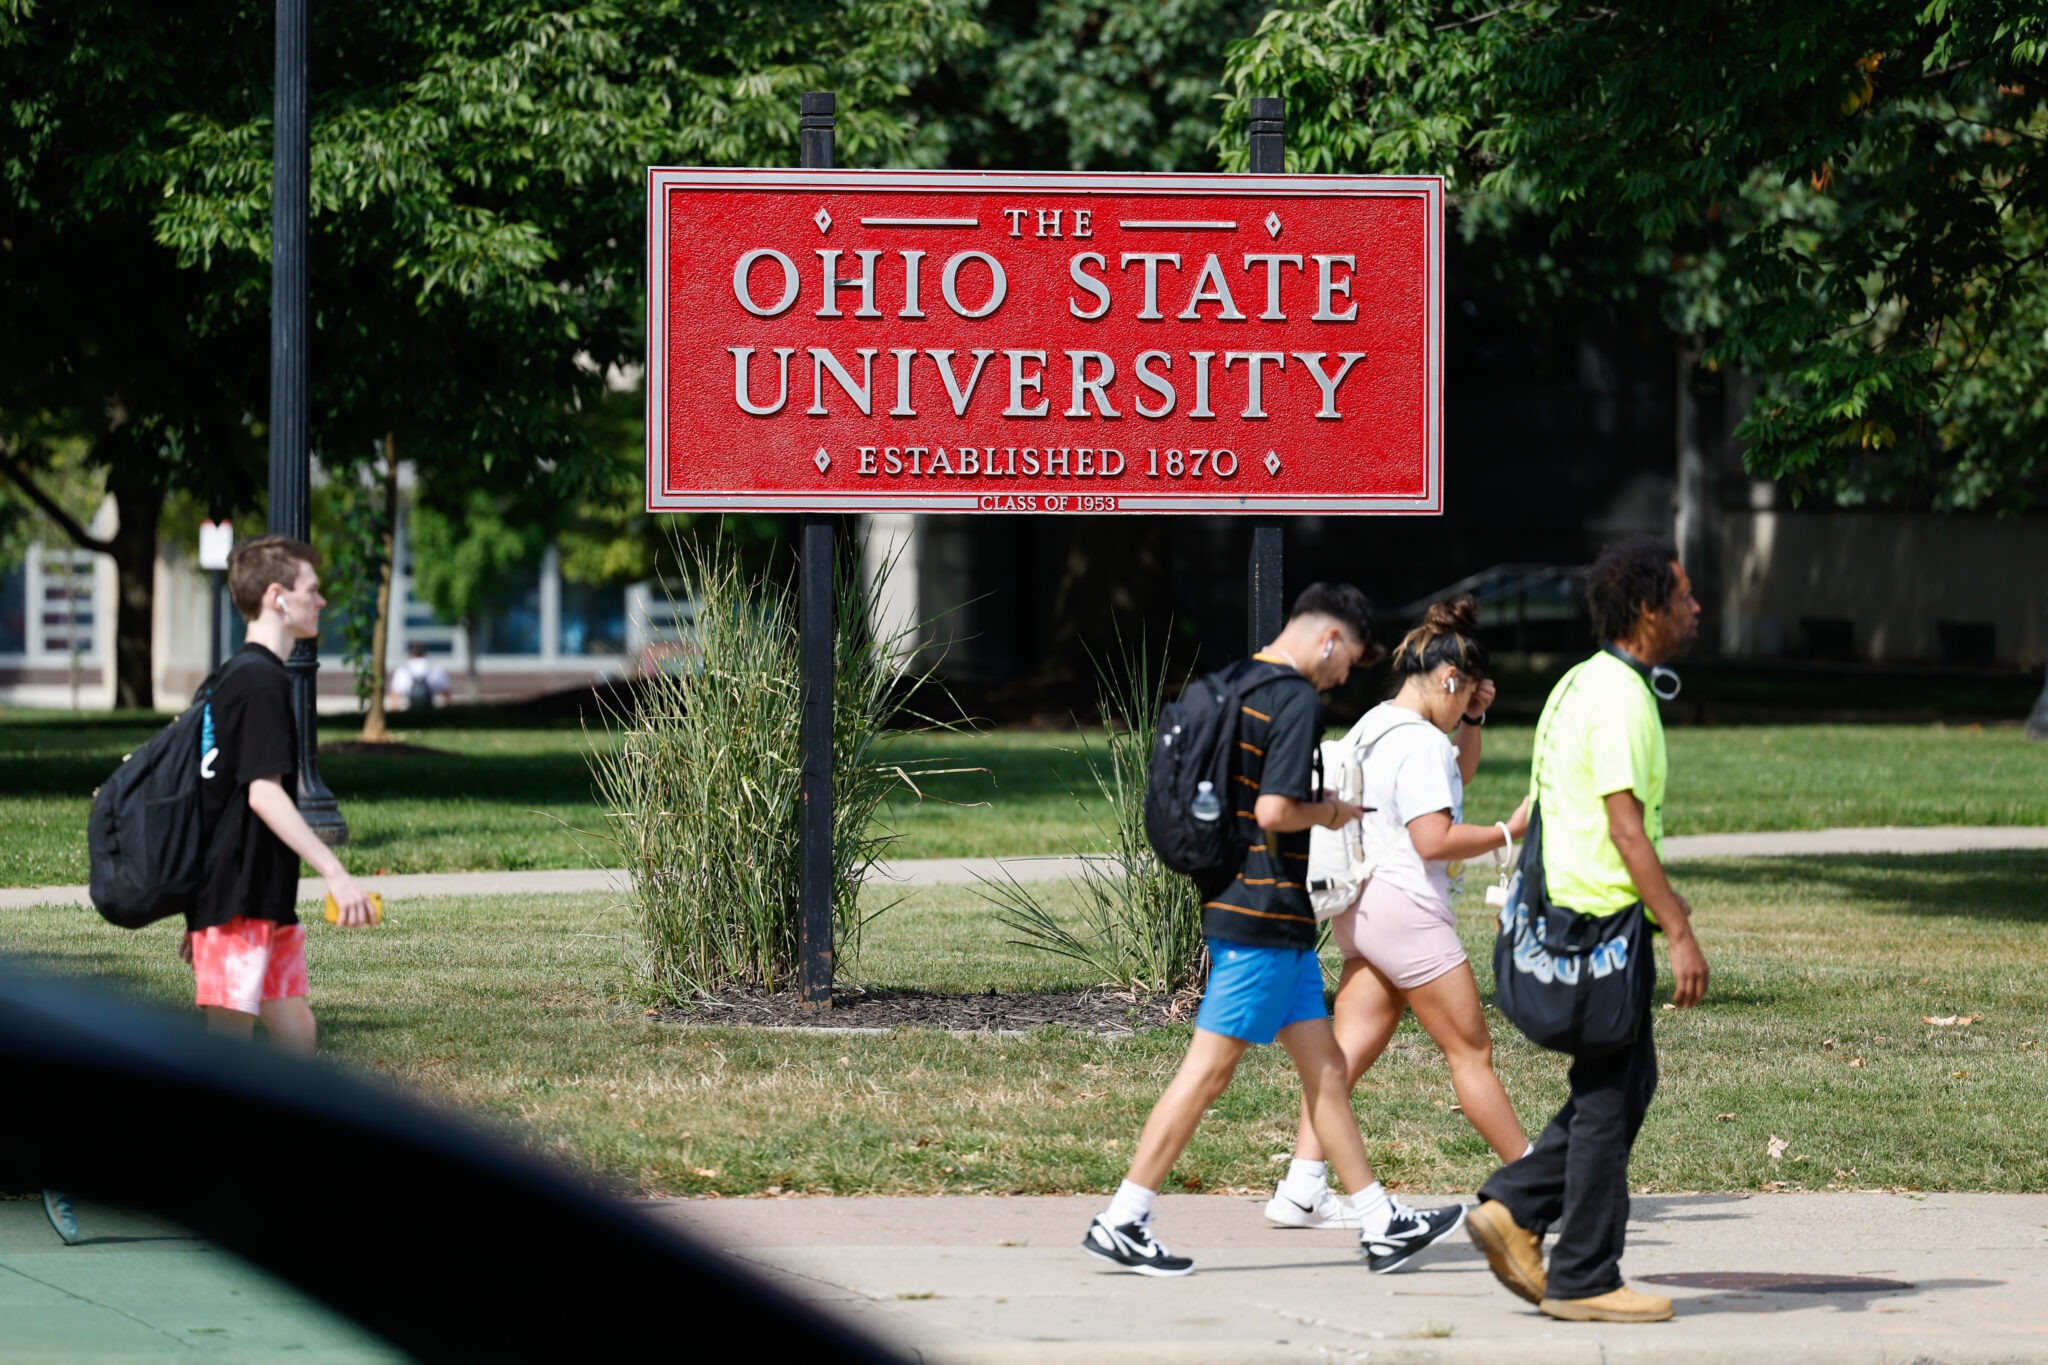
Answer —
(1600, 766)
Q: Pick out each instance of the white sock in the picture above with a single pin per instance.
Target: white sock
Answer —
(1305, 1177)
(1133, 1204)
(1374, 1207)
(1526, 1150)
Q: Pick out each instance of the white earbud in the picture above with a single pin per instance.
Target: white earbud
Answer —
(1329, 647)
(1450, 682)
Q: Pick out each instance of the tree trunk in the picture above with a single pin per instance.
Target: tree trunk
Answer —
(139, 503)
(376, 729)
(476, 690)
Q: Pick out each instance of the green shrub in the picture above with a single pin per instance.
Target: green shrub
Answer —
(1139, 926)
(704, 790)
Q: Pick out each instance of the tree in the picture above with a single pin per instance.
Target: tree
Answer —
(1088, 85)
(477, 198)
(359, 540)
(99, 346)
(1849, 203)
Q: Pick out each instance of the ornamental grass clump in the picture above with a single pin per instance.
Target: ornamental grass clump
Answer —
(704, 790)
(1139, 924)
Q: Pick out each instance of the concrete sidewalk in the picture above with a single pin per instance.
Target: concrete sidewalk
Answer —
(988, 1281)
(1883, 839)
(139, 1288)
(1946, 1280)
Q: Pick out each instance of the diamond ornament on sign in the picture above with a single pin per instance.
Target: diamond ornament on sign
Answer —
(1272, 225)
(1273, 463)
(822, 460)
(822, 219)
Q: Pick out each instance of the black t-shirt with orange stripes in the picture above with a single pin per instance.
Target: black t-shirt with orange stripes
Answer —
(1266, 904)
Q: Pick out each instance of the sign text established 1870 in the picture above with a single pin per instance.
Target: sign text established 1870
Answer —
(894, 341)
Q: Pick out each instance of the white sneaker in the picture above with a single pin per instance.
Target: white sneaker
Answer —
(1328, 1211)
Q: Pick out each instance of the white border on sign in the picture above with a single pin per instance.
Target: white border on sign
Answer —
(1430, 188)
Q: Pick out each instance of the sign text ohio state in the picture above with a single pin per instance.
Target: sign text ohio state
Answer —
(870, 341)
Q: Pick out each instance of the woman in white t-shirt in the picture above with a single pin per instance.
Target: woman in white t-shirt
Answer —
(1400, 941)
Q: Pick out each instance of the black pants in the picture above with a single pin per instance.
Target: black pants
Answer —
(1579, 1170)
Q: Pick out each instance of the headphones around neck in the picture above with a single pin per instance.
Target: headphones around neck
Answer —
(1656, 677)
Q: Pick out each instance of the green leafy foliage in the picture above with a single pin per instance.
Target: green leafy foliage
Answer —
(702, 791)
(1139, 926)
(355, 539)
(1098, 85)
(1847, 203)
(477, 196)
(465, 556)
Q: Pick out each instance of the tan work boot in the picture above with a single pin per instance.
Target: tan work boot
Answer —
(1616, 1305)
(1513, 1253)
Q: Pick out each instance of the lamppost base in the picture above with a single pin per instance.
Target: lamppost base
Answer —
(327, 822)
(316, 799)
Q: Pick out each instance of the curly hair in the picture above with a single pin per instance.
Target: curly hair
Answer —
(1341, 603)
(1444, 637)
(1630, 577)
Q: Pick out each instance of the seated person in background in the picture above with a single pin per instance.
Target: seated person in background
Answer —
(417, 684)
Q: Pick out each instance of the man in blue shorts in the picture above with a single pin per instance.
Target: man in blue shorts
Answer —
(1265, 983)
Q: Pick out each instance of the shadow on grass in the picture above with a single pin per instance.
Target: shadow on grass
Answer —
(2003, 886)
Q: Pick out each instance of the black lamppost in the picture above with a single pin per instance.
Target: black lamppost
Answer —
(291, 473)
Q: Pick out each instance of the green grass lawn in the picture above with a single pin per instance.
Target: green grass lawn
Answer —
(518, 1010)
(498, 796)
(494, 797)
(1723, 779)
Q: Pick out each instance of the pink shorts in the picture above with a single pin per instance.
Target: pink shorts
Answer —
(1410, 943)
(241, 964)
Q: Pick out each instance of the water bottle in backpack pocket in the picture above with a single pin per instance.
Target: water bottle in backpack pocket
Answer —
(1189, 818)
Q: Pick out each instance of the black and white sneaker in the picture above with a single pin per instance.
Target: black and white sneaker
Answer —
(1133, 1247)
(1408, 1233)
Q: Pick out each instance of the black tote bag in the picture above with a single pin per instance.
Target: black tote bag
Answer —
(1573, 983)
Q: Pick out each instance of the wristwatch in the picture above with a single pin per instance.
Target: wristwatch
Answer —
(1479, 719)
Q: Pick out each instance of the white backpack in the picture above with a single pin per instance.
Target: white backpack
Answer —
(1342, 861)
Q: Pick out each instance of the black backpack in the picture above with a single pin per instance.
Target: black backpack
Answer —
(420, 696)
(1197, 739)
(143, 837)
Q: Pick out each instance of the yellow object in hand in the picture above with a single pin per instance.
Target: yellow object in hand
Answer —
(376, 909)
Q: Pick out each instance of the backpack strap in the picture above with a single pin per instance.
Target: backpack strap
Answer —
(203, 698)
(213, 680)
(1246, 675)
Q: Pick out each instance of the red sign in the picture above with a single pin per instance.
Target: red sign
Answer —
(866, 341)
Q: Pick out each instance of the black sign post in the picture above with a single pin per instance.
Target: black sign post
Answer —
(814, 605)
(1264, 603)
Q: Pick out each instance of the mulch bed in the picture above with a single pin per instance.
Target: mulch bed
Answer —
(1100, 1011)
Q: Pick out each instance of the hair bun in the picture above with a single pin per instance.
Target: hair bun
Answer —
(1454, 616)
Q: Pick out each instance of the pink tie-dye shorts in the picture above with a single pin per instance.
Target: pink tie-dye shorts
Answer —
(241, 964)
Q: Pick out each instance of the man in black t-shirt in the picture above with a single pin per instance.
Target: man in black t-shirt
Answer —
(1265, 982)
(244, 939)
